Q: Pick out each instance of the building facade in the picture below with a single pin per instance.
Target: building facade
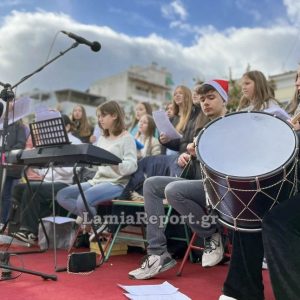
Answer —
(284, 84)
(138, 84)
(64, 100)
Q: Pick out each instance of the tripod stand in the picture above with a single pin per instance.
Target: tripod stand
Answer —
(7, 95)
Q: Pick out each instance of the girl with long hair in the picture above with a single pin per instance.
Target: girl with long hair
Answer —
(110, 180)
(142, 108)
(293, 107)
(82, 128)
(256, 92)
(183, 120)
(146, 135)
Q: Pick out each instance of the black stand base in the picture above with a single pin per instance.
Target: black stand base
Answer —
(61, 269)
(6, 268)
(22, 270)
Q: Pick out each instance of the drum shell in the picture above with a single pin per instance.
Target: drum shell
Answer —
(243, 201)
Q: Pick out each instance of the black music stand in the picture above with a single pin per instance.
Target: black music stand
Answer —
(49, 133)
(44, 133)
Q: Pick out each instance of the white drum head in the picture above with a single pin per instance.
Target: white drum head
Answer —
(246, 144)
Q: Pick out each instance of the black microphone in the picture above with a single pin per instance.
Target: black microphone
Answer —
(95, 46)
(7, 94)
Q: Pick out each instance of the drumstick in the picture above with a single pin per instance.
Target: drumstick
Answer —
(296, 118)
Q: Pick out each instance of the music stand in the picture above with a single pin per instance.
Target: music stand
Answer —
(51, 132)
(48, 133)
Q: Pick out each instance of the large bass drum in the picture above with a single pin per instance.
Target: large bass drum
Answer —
(249, 163)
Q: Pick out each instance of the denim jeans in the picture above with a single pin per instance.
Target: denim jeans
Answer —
(158, 188)
(188, 198)
(70, 198)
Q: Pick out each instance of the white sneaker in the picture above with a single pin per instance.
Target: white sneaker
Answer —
(223, 297)
(100, 228)
(153, 265)
(79, 220)
(213, 252)
(26, 236)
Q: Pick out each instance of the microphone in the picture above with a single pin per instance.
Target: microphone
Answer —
(7, 94)
(95, 46)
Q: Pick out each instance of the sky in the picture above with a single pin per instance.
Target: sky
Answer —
(192, 39)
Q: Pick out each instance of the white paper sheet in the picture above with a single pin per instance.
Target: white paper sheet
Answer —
(43, 113)
(59, 220)
(176, 296)
(156, 289)
(21, 109)
(164, 125)
(278, 112)
(164, 291)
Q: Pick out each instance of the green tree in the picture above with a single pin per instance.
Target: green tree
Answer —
(234, 94)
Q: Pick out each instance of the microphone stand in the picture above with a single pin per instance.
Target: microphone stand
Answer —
(74, 45)
(7, 95)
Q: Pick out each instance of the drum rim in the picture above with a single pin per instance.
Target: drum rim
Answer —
(246, 178)
(238, 227)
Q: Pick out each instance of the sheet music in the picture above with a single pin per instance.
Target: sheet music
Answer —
(43, 113)
(278, 112)
(22, 108)
(164, 125)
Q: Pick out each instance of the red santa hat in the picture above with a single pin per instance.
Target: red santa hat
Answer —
(221, 86)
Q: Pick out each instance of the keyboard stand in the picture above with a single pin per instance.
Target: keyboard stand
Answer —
(102, 256)
(91, 217)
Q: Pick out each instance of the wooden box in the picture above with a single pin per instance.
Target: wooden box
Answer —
(119, 248)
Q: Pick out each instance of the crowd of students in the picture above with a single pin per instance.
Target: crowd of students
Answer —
(142, 147)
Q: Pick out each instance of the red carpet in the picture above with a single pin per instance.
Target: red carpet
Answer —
(196, 282)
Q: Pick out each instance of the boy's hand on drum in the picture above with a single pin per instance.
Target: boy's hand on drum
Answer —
(164, 138)
(183, 159)
(296, 124)
(191, 149)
